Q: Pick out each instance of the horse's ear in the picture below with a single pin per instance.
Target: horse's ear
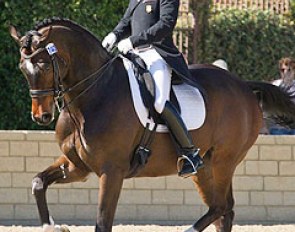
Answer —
(45, 34)
(15, 34)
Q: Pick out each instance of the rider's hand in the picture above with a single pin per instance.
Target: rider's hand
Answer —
(125, 46)
(109, 41)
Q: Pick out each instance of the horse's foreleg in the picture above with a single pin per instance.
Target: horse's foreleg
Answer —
(62, 171)
(110, 188)
(40, 184)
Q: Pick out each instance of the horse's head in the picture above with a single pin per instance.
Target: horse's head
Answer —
(56, 58)
(42, 68)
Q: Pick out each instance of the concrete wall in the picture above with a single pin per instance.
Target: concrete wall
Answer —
(264, 186)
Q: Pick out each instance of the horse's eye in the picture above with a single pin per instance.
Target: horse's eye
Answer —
(35, 44)
(43, 65)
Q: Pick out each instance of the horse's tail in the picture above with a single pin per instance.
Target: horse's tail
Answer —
(275, 103)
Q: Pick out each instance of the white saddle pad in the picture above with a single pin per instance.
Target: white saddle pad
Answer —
(190, 99)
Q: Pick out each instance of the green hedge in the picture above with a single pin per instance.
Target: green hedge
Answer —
(292, 9)
(251, 42)
(98, 16)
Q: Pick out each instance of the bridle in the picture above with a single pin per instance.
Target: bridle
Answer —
(58, 91)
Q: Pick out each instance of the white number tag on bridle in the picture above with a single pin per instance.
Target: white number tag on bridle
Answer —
(51, 49)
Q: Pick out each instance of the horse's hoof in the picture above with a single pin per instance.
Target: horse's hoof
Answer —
(55, 228)
(191, 229)
(64, 228)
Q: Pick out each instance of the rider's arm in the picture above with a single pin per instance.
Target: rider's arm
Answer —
(123, 29)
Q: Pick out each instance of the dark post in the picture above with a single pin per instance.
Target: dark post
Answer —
(201, 13)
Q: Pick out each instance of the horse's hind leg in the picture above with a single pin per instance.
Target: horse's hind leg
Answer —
(214, 184)
(225, 222)
(62, 171)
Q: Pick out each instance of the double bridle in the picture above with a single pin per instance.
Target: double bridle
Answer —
(58, 91)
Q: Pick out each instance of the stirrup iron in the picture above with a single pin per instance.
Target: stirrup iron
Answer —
(192, 166)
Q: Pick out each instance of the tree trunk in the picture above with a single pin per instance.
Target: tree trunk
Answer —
(201, 12)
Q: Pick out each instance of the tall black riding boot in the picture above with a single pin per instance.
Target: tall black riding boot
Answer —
(190, 161)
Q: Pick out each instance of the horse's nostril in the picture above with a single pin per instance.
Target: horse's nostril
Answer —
(46, 117)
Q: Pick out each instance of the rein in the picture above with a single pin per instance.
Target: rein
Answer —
(100, 71)
(58, 91)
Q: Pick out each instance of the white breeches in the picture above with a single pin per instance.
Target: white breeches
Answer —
(161, 73)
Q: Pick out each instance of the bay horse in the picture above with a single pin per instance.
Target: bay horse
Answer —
(98, 129)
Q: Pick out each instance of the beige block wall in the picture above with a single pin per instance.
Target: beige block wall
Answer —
(264, 186)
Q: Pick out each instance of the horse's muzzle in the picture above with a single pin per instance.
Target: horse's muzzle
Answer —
(44, 119)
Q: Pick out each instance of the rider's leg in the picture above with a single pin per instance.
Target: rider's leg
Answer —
(189, 161)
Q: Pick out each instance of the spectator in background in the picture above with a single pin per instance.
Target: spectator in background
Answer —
(287, 83)
(287, 73)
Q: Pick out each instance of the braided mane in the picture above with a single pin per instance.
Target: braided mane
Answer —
(56, 21)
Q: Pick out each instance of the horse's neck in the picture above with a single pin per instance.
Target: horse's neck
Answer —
(107, 91)
(86, 63)
(106, 101)
(107, 109)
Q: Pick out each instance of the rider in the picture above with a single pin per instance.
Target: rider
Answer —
(146, 29)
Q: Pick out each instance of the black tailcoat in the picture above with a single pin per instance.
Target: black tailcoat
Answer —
(151, 22)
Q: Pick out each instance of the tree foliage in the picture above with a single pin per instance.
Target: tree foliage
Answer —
(251, 42)
(201, 12)
(292, 9)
